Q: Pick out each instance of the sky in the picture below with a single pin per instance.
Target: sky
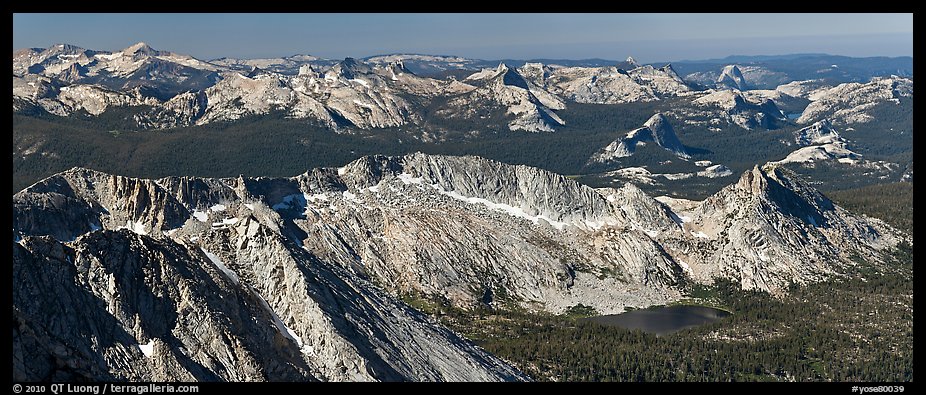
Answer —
(646, 37)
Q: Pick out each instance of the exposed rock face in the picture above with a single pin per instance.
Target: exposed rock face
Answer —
(820, 142)
(740, 77)
(186, 278)
(611, 85)
(656, 130)
(732, 78)
(849, 103)
(485, 235)
(241, 301)
(818, 133)
(747, 112)
(57, 98)
(770, 229)
(785, 102)
(531, 107)
(803, 89)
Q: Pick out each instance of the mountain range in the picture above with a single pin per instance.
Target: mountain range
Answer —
(171, 90)
(310, 219)
(242, 279)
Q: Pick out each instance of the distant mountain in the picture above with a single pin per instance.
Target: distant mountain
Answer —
(156, 89)
(532, 108)
(731, 77)
(766, 72)
(287, 65)
(755, 58)
(734, 107)
(608, 85)
(164, 72)
(849, 103)
(656, 130)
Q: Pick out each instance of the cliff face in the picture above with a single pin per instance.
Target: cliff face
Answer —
(299, 278)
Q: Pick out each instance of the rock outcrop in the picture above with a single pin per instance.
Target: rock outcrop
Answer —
(656, 130)
(300, 278)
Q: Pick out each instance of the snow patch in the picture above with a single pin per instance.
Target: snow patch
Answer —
(218, 207)
(317, 196)
(409, 179)
(349, 196)
(147, 349)
(201, 216)
(110, 56)
(361, 82)
(281, 327)
(510, 210)
(290, 201)
(595, 225)
(136, 227)
(684, 266)
(249, 206)
(218, 263)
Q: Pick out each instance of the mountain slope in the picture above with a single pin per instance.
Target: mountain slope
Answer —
(299, 278)
(527, 107)
(849, 103)
(327, 323)
(732, 78)
(656, 130)
(770, 229)
(609, 85)
(733, 107)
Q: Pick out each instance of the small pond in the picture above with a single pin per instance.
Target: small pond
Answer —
(663, 320)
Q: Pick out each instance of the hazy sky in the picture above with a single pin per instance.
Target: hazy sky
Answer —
(647, 37)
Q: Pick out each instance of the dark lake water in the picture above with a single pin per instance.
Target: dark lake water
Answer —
(662, 320)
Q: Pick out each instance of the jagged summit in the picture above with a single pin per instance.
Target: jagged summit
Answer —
(350, 68)
(398, 67)
(656, 129)
(771, 229)
(631, 62)
(312, 266)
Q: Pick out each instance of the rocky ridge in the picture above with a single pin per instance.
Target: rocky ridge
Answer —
(656, 130)
(313, 265)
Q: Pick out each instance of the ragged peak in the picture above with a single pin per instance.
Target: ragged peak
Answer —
(350, 68)
(787, 193)
(753, 181)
